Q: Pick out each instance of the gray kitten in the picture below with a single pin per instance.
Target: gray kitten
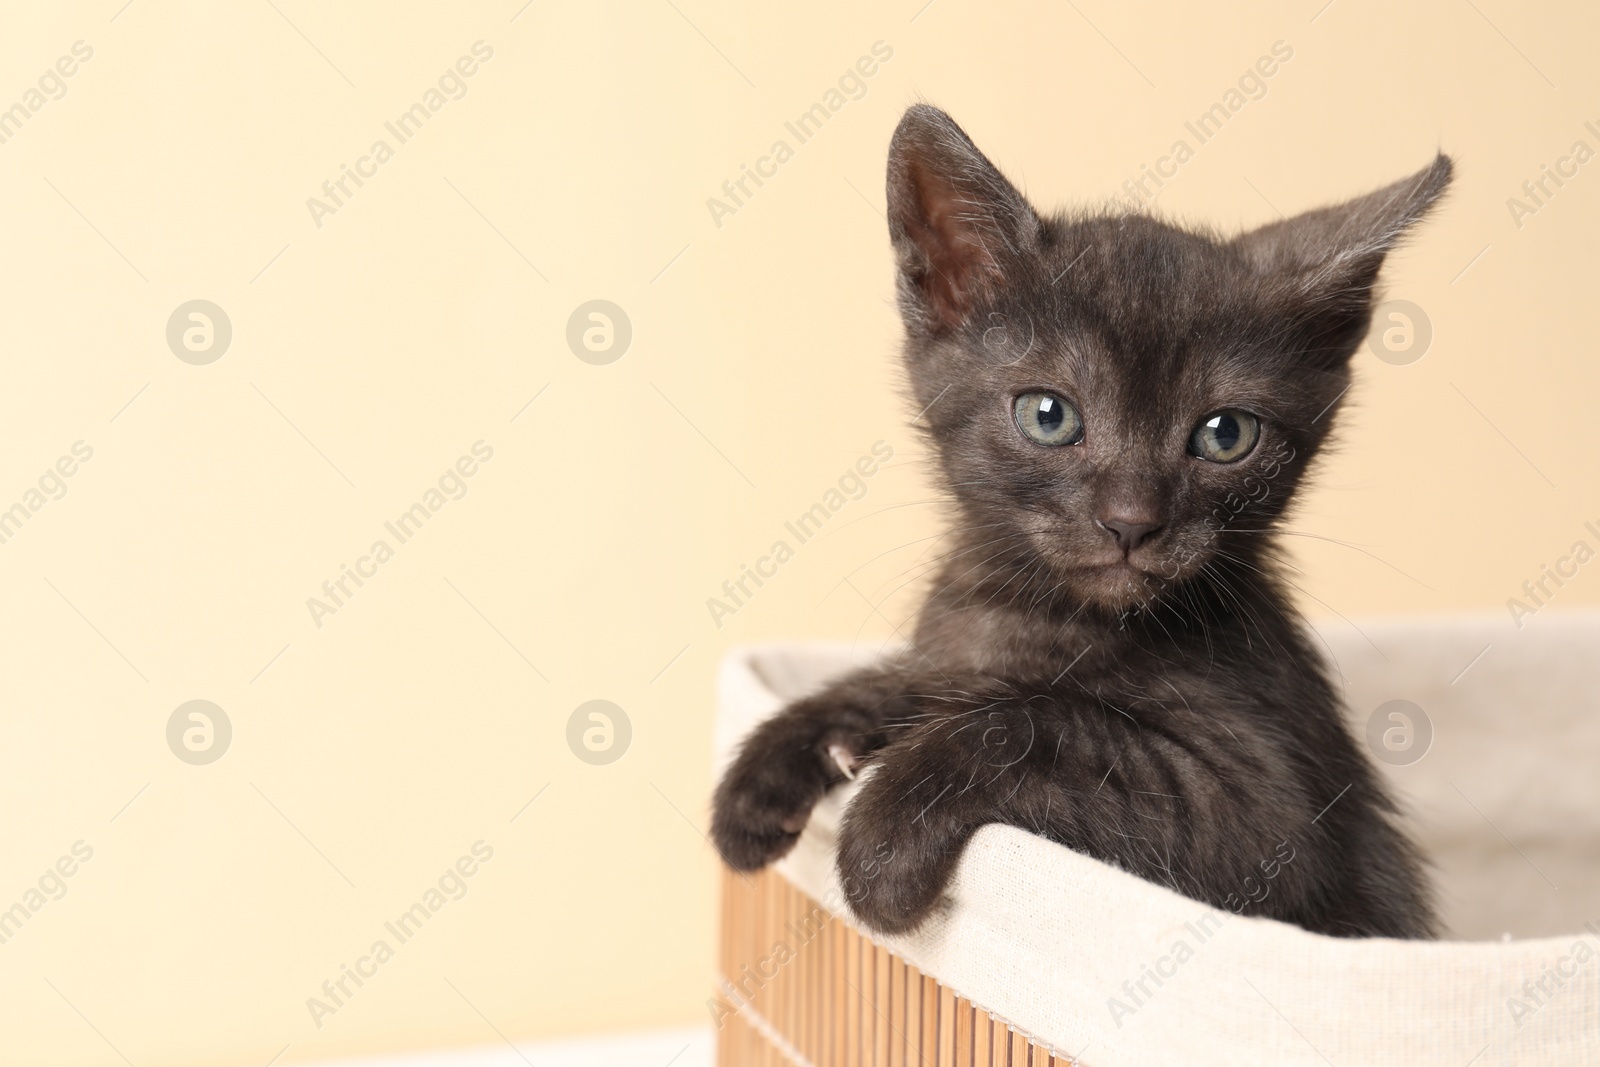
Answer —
(1121, 411)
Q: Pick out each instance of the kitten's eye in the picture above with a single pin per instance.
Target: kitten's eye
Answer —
(1225, 437)
(1047, 419)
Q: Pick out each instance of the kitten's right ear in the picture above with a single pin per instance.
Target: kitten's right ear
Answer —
(955, 221)
(1331, 256)
(1353, 237)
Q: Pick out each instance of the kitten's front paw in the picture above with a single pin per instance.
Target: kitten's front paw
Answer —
(892, 866)
(751, 828)
(766, 797)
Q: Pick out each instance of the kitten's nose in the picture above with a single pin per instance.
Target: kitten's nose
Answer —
(1128, 535)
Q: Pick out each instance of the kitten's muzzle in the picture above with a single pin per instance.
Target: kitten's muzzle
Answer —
(1128, 534)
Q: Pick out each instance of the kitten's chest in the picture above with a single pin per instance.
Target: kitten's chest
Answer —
(1122, 665)
(1006, 645)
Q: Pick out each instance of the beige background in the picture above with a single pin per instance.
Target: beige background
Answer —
(369, 353)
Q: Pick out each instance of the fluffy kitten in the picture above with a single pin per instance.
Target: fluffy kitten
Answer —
(1121, 411)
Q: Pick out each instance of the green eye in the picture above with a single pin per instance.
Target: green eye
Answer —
(1225, 436)
(1046, 419)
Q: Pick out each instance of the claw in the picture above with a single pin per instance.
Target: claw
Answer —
(844, 759)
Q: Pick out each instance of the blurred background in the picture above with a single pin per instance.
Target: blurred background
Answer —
(397, 380)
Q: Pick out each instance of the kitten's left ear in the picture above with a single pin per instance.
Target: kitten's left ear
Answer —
(956, 223)
(1331, 256)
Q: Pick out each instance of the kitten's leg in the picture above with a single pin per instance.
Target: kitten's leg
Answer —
(904, 832)
(1381, 890)
(787, 763)
(1089, 777)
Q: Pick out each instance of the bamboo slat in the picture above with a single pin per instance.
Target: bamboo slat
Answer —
(966, 1023)
(800, 987)
(947, 1028)
(981, 1037)
(882, 1022)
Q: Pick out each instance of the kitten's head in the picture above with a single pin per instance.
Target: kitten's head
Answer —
(1115, 402)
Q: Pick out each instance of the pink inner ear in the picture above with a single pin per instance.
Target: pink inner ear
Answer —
(952, 238)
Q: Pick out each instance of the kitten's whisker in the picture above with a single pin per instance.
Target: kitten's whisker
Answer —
(917, 541)
(1343, 544)
(884, 511)
(934, 563)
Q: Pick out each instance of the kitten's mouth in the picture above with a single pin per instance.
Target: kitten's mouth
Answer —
(1110, 580)
(1121, 584)
(1120, 571)
(1123, 568)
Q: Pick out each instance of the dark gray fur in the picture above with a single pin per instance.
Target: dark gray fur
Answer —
(1160, 706)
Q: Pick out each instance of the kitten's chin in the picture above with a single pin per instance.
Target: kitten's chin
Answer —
(1118, 587)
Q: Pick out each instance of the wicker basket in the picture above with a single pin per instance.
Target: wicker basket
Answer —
(1031, 956)
(831, 995)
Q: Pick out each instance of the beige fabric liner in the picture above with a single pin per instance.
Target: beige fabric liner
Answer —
(1506, 803)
